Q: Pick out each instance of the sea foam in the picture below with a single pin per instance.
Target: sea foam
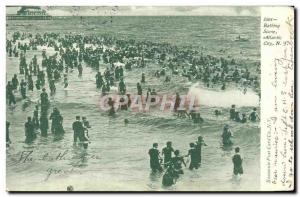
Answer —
(226, 98)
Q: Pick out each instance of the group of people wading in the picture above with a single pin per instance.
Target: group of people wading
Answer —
(172, 165)
(117, 56)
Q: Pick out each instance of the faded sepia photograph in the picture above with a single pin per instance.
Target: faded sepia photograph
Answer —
(133, 98)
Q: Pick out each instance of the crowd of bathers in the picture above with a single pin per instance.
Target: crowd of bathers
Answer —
(114, 55)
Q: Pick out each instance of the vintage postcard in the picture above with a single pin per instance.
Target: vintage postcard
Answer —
(149, 98)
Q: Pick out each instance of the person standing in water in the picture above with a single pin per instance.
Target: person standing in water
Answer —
(122, 87)
(226, 136)
(23, 85)
(198, 148)
(66, 83)
(148, 93)
(7, 134)
(99, 80)
(253, 115)
(111, 103)
(232, 113)
(237, 162)
(80, 69)
(29, 131)
(10, 95)
(85, 136)
(30, 83)
(177, 102)
(155, 158)
(177, 162)
(15, 82)
(167, 153)
(44, 124)
(143, 80)
(44, 100)
(35, 118)
(78, 129)
(86, 123)
(194, 157)
(52, 87)
(139, 89)
(57, 120)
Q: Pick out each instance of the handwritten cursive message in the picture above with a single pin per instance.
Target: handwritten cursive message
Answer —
(30, 157)
(277, 139)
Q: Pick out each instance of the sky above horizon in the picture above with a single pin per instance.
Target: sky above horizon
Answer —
(146, 10)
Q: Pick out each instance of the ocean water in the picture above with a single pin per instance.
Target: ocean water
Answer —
(209, 33)
(117, 158)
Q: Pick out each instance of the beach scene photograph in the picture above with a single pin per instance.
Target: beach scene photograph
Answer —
(133, 98)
